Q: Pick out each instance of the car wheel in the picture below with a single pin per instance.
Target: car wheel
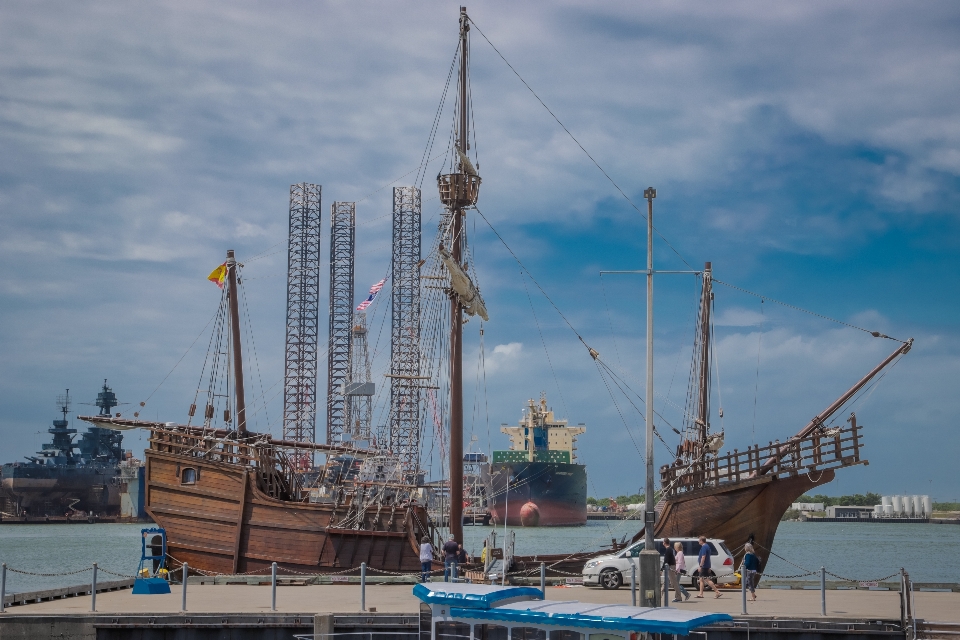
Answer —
(610, 579)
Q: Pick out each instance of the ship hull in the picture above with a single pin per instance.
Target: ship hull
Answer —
(224, 523)
(47, 490)
(559, 492)
(737, 512)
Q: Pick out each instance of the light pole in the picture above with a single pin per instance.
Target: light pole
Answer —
(506, 510)
(649, 557)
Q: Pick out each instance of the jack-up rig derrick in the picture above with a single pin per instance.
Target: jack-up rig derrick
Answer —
(303, 312)
(342, 246)
(405, 378)
(359, 388)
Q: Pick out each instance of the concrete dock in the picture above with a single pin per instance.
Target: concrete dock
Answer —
(244, 612)
(398, 599)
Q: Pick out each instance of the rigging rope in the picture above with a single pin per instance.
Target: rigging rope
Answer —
(544, 343)
(572, 137)
(622, 419)
(756, 384)
(875, 334)
(181, 357)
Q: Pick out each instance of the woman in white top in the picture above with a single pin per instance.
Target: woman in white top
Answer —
(426, 558)
(681, 568)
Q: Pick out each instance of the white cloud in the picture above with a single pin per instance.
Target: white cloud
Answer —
(738, 317)
(504, 357)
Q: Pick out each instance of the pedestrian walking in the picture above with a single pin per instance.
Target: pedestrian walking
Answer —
(703, 564)
(450, 550)
(670, 564)
(751, 570)
(681, 570)
(426, 558)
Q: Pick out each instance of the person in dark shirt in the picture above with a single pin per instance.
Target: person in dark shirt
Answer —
(450, 551)
(461, 555)
(751, 568)
(703, 562)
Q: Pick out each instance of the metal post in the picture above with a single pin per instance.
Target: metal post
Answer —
(3, 585)
(183, 596)
(506, 510)
(363, 586)
(743, 587)
(543, 579)
(903, 599)
(823, 591)
(633, 583)
(666, 587)
(273, 586)
(649, 557)
(913, 609)
(93, 589)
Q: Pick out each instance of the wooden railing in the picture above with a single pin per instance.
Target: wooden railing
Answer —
(275, 475)
(815, 452)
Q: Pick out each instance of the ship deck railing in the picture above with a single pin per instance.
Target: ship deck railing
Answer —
(815, 452)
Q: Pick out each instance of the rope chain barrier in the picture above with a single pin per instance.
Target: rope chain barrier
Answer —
(518, 573)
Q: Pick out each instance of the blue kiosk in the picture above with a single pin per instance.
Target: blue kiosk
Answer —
(458, 611)
(152, 578)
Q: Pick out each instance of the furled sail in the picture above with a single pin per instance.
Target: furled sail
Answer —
(465, 163)
(464, 288)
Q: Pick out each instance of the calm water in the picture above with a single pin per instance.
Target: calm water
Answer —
(858, 550)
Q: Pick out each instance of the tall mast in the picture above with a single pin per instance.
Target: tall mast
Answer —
(456, 313)
(235, 328)
(703, 401)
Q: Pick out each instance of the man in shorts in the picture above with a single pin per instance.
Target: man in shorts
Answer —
(703, 562)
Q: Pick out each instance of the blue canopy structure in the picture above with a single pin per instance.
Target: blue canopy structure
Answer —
(516, 606)
(473, 596)
(583, 615)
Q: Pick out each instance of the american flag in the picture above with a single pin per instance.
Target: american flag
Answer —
(374, 290)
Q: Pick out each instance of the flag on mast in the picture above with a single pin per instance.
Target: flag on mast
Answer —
(374, 290)
(218, 275)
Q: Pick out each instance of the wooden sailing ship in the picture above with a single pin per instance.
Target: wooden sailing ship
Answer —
(741, 496)
(233, 501)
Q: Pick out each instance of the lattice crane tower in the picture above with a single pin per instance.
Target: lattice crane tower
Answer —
(360, 389)
(342, 245)
(303, 313)
(405, 379)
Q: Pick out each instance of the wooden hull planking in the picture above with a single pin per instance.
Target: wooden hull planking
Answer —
(223, 523)
(735, 512)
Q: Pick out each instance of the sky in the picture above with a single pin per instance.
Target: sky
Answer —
(810, 151)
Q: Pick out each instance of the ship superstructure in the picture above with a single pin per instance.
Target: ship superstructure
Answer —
(69, 477)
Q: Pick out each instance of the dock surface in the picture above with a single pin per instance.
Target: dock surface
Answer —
(398, 599)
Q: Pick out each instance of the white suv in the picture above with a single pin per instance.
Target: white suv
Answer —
(612, 571)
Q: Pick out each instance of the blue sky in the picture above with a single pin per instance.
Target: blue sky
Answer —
(811, 152)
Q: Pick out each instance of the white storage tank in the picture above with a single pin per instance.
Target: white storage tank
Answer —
(897, 504)
(908, 506)
(886, 501)
(878, 511)
(928, 506)
(917, 506)
(888, 511)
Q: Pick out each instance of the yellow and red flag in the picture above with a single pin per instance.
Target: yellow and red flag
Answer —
(218, 275)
